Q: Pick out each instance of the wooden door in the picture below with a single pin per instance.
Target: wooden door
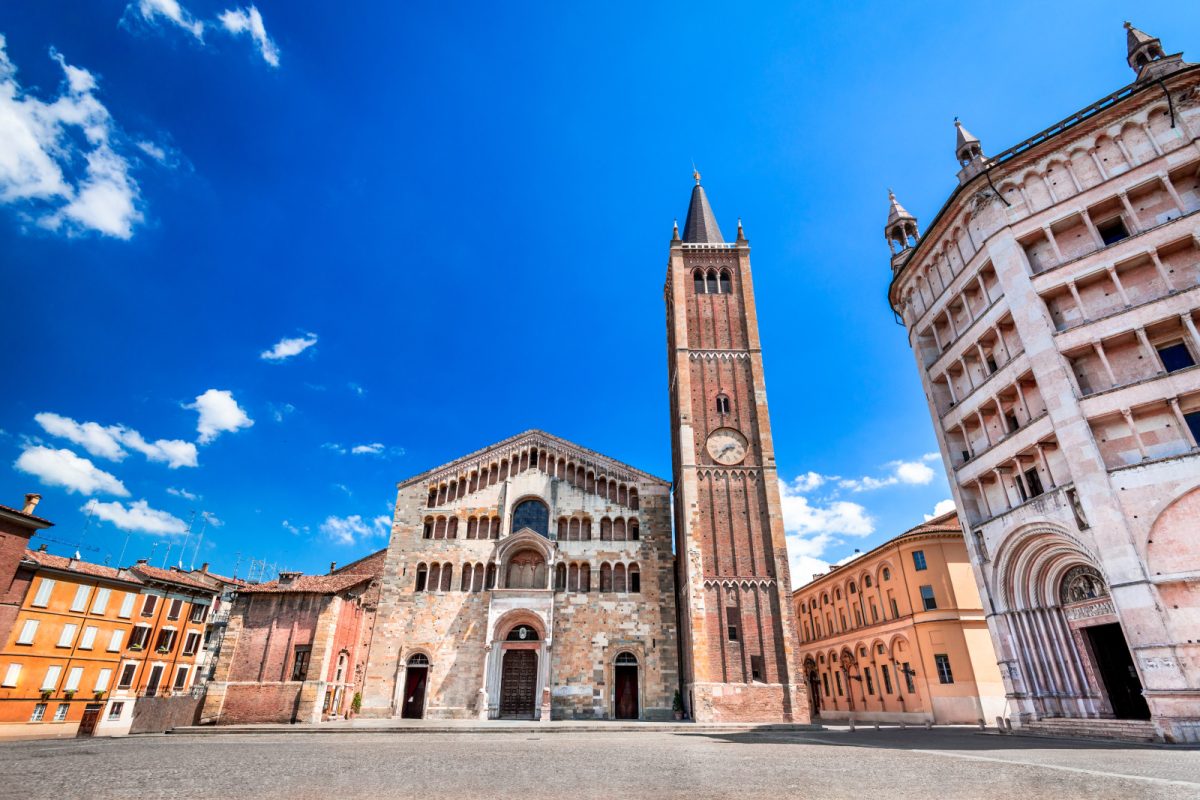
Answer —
(91, 716)
(627, 692)
(518, 683)
(414, 693)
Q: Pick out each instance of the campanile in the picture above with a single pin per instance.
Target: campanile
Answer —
(737, 641)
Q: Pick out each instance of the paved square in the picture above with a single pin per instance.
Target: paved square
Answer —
(942, 764)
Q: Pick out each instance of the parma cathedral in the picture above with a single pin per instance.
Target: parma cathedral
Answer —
(537, 579)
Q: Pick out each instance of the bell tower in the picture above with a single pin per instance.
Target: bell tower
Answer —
(737, 637)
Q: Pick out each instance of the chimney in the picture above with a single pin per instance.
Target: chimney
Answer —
(143, 561)
(204, 568)
(332, 566)
(43, 548)
(288, 577)
(31, 501)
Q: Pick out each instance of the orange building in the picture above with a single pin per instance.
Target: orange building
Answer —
(61, 659)
(899, 634)
(89, 640)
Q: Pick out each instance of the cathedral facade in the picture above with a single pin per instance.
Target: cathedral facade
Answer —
(531, 580)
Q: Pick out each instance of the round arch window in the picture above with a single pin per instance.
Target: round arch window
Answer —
(626, 660)
(418, 660)
(522, 633)
(532, 514)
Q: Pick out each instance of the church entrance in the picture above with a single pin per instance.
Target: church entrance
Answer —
(416, 677)
(626, 679)
(1114, 665)
(518, 684)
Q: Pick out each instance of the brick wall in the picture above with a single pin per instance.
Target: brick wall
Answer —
(159, 714)
(260, 702)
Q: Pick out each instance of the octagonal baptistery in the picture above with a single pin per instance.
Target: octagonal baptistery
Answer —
(532, 579)
(1052, 308)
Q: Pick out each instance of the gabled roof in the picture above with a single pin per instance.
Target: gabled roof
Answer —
(539, 438)
(367, 565)
(20, 517)
(701, 225)
(37, 558)
(310, 584)
(149, 573)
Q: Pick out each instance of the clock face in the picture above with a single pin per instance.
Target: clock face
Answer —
(727, 446)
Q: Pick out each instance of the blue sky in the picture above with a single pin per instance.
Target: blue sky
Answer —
(262, 262)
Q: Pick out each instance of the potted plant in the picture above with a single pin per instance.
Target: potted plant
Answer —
(135, 648)
(100, 694)
(46, 694)
(677, 705)
(69, 694)
(162, 650)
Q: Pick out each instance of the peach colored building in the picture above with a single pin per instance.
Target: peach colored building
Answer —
(1052, 309)
(899, 635)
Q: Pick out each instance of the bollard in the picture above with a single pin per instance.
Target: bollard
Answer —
(876, 726)
(928, 724)
(902, 725)
(852, 726)
(982, 724)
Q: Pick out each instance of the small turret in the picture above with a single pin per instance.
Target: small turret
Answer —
(901, 232)
(969, 152)
(1146, 57)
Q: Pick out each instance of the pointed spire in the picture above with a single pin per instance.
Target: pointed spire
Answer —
(968, 147)
(1144, 50)
(741, 234)
(700, 226)
(897, 212)
(901, 229)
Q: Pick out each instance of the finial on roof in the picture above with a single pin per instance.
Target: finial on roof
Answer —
(696, 174)
(700, 225)
(675, 232)
(741, 235)
(901, 228)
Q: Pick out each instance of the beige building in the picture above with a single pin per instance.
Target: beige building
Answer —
(532, 579)
(898, 634)
(1051, 306)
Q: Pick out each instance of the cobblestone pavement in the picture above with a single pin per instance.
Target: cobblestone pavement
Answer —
(939, 765)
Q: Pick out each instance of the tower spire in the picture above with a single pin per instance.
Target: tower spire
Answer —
(700, 226)
(1145, 56)
(900, 231)
(969, 152)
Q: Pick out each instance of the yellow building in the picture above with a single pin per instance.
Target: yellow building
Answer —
(899, 634)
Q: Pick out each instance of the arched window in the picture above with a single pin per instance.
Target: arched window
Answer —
(585, 578)
(853, 588)
(711, 281)
(619, 530)
(634, 533)
(447, 576)
(605, 578)
(495, 528)
(722, 404)
(477, 580)
(635, 579)
(490, 583)
(526, 570)
(867, 581)
(633, 499)
(573, 530)
(606, 530)
(626, 659)
(439, 528)
(428, 532)
(726, 283)
(602, 487)
(612, 491)
(837, 593)
(465, 580)
(564, 528)
(585, 532)
(422, 578)
(573, 578)
(435, 576)
(619, 578)
(532, 514)
(887, 574)
(623, 495)
(452, 528)
(698, 278)
(418, 660)
(560, 578)
(432, 497)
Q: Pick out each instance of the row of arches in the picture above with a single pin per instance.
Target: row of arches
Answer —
(859, 600)
(526, 570)
(712, 281)
(866, 675)
(442, 527)
(579, 529)
(578, 475)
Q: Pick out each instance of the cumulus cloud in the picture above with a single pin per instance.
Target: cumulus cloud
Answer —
(73, 473)
(295, 530)
(908, 473)
(280, 411)
(110, 441)
(348, 530)
(155, 12)
(219, 413)
(813, 526)
(373, 449)
(59, 165)
(942, 507)
(287, 348)
(249, 20)
(138, 516)
(184, 493)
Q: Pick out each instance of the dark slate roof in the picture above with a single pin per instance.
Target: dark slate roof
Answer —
(701, 224)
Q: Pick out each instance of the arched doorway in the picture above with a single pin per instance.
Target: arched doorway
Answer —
(625, 675)
(416, 678)
(519, 673)
(814, 687)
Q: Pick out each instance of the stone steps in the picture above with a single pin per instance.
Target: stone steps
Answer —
(1126, 730)
(435, 726)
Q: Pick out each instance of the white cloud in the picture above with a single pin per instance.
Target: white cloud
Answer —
(72, 472)
(184, 493)
(286, 348)
(335, 447)
(295, 530)
(152, 11)
(212, 519)
(808, 482)
(219, 413)
(348, 530)
(942, 507)
(110, 441)
(374, 449)
(249, 20)
(153, 150)
(356, 388)
(139, 516)
(278, 412)
(812, 527)
(45, 145)
(909, 473)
